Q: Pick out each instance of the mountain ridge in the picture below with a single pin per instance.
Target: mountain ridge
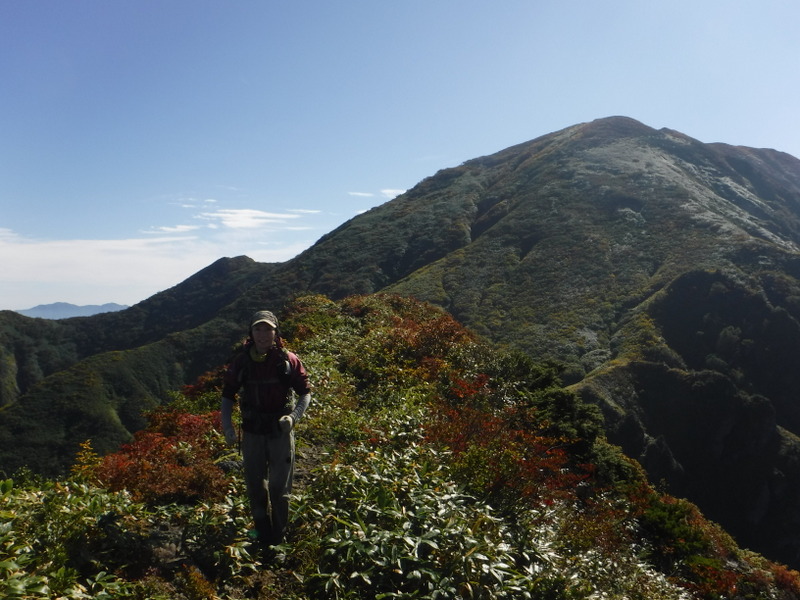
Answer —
(66, 310)
(611, 248)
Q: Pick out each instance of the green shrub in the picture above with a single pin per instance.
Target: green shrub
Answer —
(53, 536)
(452, 474)
(385, 521)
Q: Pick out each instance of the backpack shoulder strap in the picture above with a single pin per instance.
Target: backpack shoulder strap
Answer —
(241, 352)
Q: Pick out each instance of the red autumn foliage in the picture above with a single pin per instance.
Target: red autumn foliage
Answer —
(209, 382)
(186, 427)
(171, 461)
(410, 332)
(504, 460)
(463, 389)
(433, 337)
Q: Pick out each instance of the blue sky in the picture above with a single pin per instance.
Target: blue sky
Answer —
(141, 140)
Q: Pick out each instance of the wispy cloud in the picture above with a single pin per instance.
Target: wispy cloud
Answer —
(90, 271)
(245, 218)
(95, 271)
(173, 229)
(189, 202)
(129, 270)
(386, 193)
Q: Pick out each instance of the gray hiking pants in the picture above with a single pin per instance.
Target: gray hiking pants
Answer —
(268, 473)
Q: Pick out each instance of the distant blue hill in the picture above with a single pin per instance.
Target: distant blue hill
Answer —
(64, 310)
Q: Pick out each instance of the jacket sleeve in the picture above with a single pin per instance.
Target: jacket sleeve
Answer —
(299, 382)
(231, 381)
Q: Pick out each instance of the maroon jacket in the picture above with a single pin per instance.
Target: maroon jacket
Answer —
(265, 387)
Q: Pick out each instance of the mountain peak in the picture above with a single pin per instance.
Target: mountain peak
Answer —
(660, 273)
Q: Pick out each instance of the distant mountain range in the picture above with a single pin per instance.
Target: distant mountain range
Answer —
(64, 310)
(660, 273)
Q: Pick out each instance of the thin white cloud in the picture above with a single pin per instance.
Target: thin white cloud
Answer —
(245, 218)
(174, 229)
(386, 193)
(125, 271)
(190, 202)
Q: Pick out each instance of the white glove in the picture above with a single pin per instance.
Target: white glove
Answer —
(285, 423)
(230, 437)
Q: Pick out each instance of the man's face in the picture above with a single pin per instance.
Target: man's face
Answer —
(263, 336)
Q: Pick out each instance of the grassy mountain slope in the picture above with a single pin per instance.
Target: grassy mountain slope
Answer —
(571, 231)
(431, 465)
(660, 272)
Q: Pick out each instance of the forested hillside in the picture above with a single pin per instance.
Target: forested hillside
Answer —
(658, 273)
(432, 464)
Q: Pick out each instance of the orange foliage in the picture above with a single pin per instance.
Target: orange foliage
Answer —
(171, 461)
(208, 382)
(505, 460)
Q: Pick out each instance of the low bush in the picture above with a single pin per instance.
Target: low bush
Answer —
(386, 521)
(463, 474)
(172, 461)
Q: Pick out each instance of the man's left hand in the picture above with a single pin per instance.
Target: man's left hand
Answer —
(285, 423)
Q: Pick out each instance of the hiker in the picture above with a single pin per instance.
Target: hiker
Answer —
(266, 374)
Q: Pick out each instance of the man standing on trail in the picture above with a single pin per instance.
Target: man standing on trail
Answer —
(266, 373)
